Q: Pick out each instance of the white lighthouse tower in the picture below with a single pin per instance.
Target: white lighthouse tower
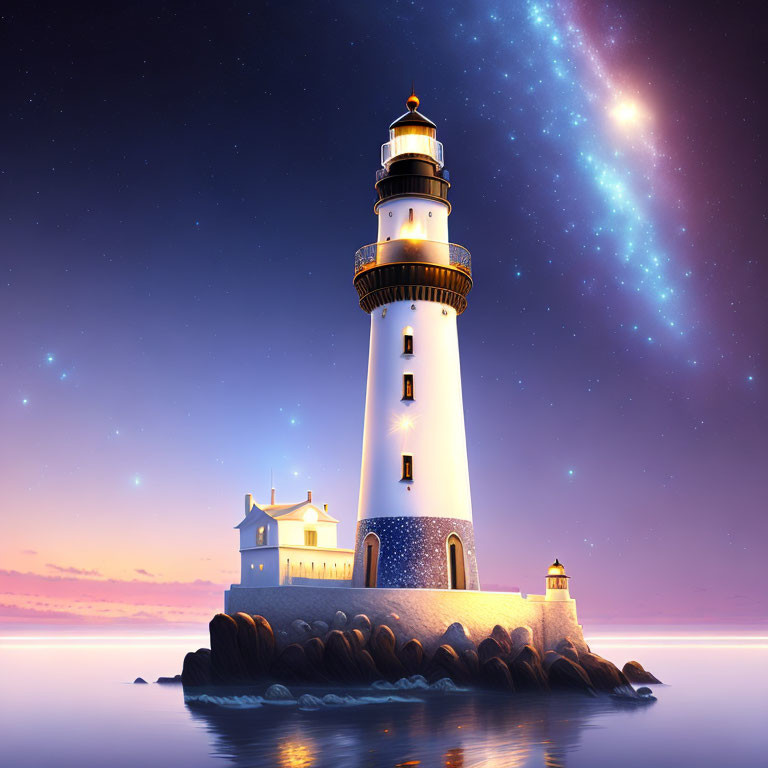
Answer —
(415, 512)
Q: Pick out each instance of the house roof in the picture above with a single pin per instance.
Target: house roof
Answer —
(287, 512)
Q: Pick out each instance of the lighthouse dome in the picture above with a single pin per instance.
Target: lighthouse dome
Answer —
(556, 569)
(412, 135)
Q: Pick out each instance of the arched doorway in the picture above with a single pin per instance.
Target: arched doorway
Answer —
(371, 559)
(456, 577)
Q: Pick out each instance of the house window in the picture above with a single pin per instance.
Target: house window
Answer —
(407, 467)
(407, 386)
(310, 537)
(407, 343)
(261, 537)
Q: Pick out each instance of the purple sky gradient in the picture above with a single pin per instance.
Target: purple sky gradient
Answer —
(183, 191)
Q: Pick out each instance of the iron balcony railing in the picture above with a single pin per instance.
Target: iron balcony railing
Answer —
(415, 252)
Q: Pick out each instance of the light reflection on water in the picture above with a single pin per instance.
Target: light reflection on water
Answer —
(65, 702)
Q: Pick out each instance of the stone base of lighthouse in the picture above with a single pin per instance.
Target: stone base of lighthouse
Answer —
(413, 553)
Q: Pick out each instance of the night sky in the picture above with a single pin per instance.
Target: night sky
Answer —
(183, 187)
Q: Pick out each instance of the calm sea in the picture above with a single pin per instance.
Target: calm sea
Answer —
(67, 700)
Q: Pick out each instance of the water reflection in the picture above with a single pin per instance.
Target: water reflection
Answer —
(466, 730)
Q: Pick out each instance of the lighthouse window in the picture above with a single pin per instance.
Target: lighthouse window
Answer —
(408, 344)
(407, 386)
(260, 538)
(310, 537)
(407, 467)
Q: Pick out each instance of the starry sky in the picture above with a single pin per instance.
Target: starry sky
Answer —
(182, 190)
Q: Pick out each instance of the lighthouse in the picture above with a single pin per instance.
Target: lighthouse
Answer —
(414, 524)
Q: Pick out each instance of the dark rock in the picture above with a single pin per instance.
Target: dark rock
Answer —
(140, 681)
(339, 620)
(169, 680)
(357, 638)
(277, 693)
(527, 670)
(292, 665)
(383, 650)
(548, 658)
(412, 657)
(226, 662)
(248, 646)
(644, 691)
(501, 636)
(566, 648)
(457, 637)
(299, 631)
(566, 675)
(489, 649)
(363, 623)
(319, 629)
(520, 637)
(196, 670)
(636, 674)
(314, 650)
(446, 663)
(339, 658)
(494, 673)
(471, 662)
(265, 638)
(604, 675)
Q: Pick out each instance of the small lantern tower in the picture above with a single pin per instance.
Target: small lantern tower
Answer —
(415, 512)
(557, 582)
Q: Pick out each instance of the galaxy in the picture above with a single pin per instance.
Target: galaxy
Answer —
(184, 189)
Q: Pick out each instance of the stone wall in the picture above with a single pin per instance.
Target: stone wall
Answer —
(423, 614)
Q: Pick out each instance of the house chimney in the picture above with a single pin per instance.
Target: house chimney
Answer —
(272, 498)
(248, 503)
(325, 507)
(309, 495)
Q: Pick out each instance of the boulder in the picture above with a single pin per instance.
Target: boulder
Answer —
(299, 631)
(314, 650)
(566, 648)
(444, 684)
(566, 675)
(457, 637)
(340, 660)
(383, 650)
(140, 681)
(363, 623)
(319, 629)
(308, 701)
(495, 674)
(265, 637)
(490, 649)
(636, 674)
(292, 665)
(169, 680)
(501, 636)
(644, 691)
(604, 675)
(527, 670)
(227, 665)
(278, 693)
(196, 670)
(548, 658)
(411, 656)
(519, 637)
(249, 648)
(339, 620)
(446, 663)
(471, 662)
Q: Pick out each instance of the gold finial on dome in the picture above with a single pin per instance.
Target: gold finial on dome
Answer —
(413, 100)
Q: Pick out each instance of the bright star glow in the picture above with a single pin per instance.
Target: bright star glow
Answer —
(626, 113)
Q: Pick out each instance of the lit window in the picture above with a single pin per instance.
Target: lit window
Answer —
(407, 386)
(251, 566)
(261, 566)
(407, 467)
(260, 537)
(310, 537)
(408, 344)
